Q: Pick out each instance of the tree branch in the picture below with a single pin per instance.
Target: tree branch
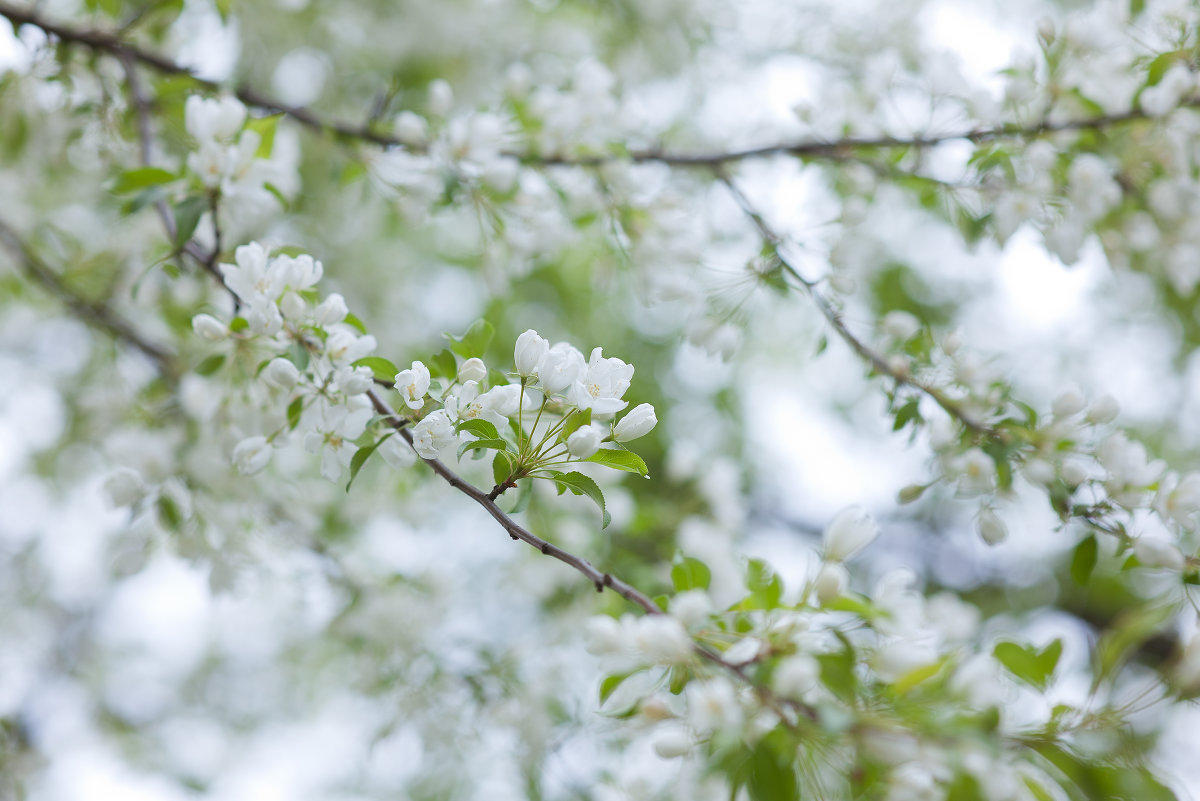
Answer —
(838, 324)
(97, 315)
(845, 149)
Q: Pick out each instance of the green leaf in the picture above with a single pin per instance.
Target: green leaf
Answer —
(241, 324)
(293, 412)
(1127, 632)
(611, 683)
(265, 128)
(772, 777)
(1083, 560)
(480, 428)
(443, 365)
(1028, 664)
(351, 320)
(575, 421)
(907, 414)
(360, 458)
(211, 364)
(482, 445)
(580, 484)
(917, 675)
(474, 342)
(837, 673)
(765, 587)
(501, 467)
(141, 178)
(690, 574)
(223, 8)
(187, 216)
(619, 459)
(383, 369)
(1136, 7)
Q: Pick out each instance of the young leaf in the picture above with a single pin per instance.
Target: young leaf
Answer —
(351, 320)
(611, 683)
(1027, 664)
(474, 342)
(501, 467)
(187, 216)
(383, 369)
(574, 422)
(442, 365)
(480, 428)
(690, 574)
(360, 458)
(580, 484)
(293, 412)
(265, 128)
(141, 178)
(620, 460)
(1083, 561)
(211, 364)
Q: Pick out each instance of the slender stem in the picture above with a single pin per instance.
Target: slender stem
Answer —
(97, 315)
(838, 324)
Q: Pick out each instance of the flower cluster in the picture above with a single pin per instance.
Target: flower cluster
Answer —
(557, 409)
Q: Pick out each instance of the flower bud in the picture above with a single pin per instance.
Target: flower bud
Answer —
(584, 441)
(991, 528)
(251, 455)
(281, 373)
(831, 582)
(673, 743)
(332, 310)
(472, 369)
(1104, 410)
(900, 325)
(529, 351)
(124, 487)
(796, 675)
(911, 493)
(1154, 552)
(411, 128)
(637, 423)
(852, 530)
(208, 327)
(662, 639)
(293, 306)
(1067, 404)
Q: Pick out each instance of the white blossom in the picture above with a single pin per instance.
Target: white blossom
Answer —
(662, 639)
(831, 582)
(848, 533)
(560, 367)
(674, 742)
(796, 675)
(345, 347)
(214, 119)
(413, 384)
(251, 455)
(638, 422)
(1156, 552)
(210, 328)
(332, 310)
(472, 369)
(280, 372)
(585, 441)
(124, 487)
(432, 433)
(991, 528)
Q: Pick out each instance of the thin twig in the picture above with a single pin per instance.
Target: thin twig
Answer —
(97, 315)
(838, 324)
(845, 149)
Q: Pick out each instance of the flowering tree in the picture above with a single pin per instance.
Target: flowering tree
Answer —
(307, 306)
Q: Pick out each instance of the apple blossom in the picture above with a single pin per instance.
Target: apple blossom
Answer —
(413, 384)
(432, 433)
(209, 327)
(638, 422)
(472, 369)
(848, 533)
(559, 367)
(530, 350)
(251, 455)
(585, 441)
(281, 373)
(1155, 552)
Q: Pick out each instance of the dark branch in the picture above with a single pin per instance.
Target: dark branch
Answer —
(838, 324)
(97, 315)
(846, 149)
